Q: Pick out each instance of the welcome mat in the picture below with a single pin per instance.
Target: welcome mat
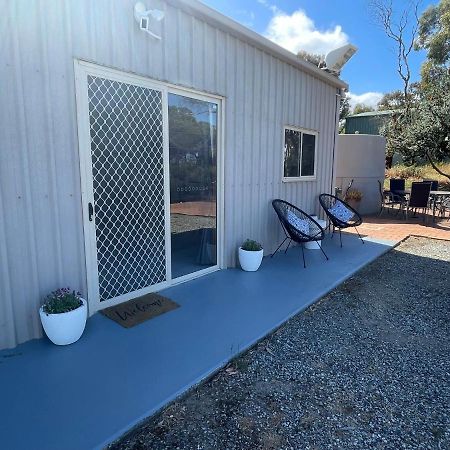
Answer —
(139, 310)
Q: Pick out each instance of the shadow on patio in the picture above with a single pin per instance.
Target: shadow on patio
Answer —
(85, 395)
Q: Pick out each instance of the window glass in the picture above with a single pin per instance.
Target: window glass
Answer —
(308, 150)
(291, 153)
(193, 184)
(299, 154)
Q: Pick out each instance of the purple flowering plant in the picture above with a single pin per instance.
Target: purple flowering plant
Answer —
(61, 301)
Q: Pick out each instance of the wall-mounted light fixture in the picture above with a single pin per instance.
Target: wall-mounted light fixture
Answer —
(144, 17)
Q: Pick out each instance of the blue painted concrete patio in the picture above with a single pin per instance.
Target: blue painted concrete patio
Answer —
(85, 395)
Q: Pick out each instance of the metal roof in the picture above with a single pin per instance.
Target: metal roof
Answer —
(373, 113)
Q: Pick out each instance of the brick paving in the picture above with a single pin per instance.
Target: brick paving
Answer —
(395, 228)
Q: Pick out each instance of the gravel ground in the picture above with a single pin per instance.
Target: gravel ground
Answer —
(367, 367)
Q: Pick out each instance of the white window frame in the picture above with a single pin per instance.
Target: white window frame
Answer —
(302, 131)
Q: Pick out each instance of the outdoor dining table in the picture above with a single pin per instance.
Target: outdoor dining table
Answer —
(435, 195)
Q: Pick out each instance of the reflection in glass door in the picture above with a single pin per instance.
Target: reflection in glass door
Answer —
(193, 184)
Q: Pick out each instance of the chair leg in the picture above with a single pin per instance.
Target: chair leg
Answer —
(359, 235)
(340, 236)
(320, 246)
(332, 234)
(287, 248)
(303, 254)
(284, 240)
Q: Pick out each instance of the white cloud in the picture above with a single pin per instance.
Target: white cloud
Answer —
(270, 6)
(297, 32)
(368, 98)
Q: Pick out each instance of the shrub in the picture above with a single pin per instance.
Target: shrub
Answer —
(405, 172)
(251, 246)
(61, 301)
(354, 194)
(417, 173)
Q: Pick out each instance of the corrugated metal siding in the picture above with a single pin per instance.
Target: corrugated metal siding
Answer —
(41, 234)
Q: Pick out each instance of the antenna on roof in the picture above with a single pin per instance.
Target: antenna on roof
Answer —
(337, 58)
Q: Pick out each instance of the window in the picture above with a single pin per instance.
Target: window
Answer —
(299, 154)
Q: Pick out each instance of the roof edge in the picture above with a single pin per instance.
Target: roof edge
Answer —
(227, 24)
(384, 112)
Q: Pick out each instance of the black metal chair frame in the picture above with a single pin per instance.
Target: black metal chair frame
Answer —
(419, 189)
(444, 207)
(327, 201)
(389, 200)
(292, 233)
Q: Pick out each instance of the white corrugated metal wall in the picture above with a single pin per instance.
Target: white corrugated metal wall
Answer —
(41, 235)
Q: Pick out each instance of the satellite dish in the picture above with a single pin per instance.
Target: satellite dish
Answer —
(337, 58)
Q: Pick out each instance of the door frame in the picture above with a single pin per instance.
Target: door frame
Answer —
(82, 69)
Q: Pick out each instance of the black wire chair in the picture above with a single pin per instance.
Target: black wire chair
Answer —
(327, 202)
(315, 232)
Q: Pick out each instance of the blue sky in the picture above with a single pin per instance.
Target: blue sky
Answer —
(320, 25)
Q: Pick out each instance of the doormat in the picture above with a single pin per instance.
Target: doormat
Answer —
(139, 310)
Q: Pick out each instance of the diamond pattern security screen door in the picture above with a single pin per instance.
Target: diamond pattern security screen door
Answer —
(127, 151)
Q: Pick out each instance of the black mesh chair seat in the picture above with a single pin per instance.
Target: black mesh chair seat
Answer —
(312, 232)
(434, 184)
(328, 202)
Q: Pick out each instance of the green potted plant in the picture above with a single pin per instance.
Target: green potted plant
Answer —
(353, 197)
(63, 316)
(250, 255)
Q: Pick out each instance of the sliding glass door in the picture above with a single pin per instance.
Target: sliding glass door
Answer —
(193, 183)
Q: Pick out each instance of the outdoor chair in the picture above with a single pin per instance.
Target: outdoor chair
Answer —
(433, 202)
(389, 200)
(297, 226)
(419, 197)
(444, 207)
(340, 213)
(434, 184)
(396, 186)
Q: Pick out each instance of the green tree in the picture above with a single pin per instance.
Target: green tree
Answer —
(429, 133)
(395, 100)
(434, 33)
(362, 108)
(344, 107)
(344, 111)
(402, 28)
(425, 132)
(420, 128)
(392, 100)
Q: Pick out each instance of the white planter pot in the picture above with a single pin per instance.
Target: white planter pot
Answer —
(65, 328)
(313, 245)
(316, 245)
(250, 260)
